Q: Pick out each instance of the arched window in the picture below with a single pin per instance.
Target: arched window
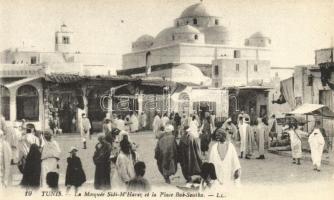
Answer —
(195, 21)
(173, 37)
(27, 105)
(4, 102)
(216, 22)
(148, 62)
(177, 24)
(196, 37)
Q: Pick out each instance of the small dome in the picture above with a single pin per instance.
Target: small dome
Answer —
(194, 75)
(145, 38)
(164, 36)
(196, 10)
(257, 35)
(142, 43)
(258, 39)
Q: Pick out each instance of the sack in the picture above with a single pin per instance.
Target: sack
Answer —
(52, 179)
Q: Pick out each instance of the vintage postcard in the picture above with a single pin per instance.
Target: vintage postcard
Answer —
(166, 99)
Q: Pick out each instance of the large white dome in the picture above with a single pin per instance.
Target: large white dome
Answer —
(196, 10)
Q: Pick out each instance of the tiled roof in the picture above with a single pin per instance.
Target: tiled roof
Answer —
(63, 78)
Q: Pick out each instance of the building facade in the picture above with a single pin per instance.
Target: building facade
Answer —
(64, 59)
(324, 60)
(197, 38)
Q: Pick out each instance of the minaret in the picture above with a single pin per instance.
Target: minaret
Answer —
(63, 40)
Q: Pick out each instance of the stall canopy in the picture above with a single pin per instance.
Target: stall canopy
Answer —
(313, 109)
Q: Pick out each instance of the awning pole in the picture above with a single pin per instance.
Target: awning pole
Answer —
(307, 123)
(322, 117)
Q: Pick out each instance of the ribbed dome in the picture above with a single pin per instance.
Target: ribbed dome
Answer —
(145, 38)
(196, 10)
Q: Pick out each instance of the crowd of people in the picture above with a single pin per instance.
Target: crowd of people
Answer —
(206, 141)
(203, 146)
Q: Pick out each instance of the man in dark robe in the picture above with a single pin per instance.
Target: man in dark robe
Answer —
(166, 153)
(32, 168)
(102, 163)
(75, 175)
(189, 157)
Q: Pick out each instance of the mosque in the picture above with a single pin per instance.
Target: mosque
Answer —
(197, 51)
(199, 44)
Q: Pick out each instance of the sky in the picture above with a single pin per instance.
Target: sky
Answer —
(296, 27)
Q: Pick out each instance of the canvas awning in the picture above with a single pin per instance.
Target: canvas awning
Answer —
(21, 81)
(313, 109)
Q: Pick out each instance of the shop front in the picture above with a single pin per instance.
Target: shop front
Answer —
(252, 100)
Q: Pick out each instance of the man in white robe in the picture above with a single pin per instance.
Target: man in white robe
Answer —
(50, 157)
(120, 123)
(156, 124)
(5, 159)
(242, 131)
(85, 129)
(143, 120)
(13, 137)
(194, 130)
(134, 123)
(164, 120)
(261, 131)
(225, 159)
(27, 140)
(317, 142)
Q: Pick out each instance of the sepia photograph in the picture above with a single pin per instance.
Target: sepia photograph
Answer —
(167, 99)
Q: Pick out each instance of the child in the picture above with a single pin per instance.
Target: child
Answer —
(139, 183)
(209, 178)
(75, 175)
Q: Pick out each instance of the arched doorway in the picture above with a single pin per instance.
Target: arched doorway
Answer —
(233, 107)
(27, 104)
(184, 103)
(97, 107)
